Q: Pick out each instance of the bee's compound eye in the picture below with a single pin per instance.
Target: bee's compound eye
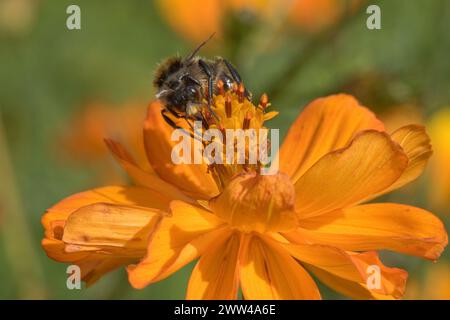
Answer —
(191, 92)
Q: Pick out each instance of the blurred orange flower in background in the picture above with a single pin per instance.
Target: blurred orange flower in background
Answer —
(196, 20)
(439, 126)
(434, 285)
(397, 116)
(264, 234)
(315, 15)
(81, 141)
(18, 16)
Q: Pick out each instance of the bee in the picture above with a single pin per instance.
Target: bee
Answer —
(183, 84)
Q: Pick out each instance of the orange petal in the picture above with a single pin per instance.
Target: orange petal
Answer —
(270, 115)
(267, 271)
(113, 194)
(94, 267)
(350, 266)
(92, 264)
(141, 177)
(393, 280)
(325, 125)
(416, 144)
(331, 259)
(193, 179)
(376, 226)
(216, 274)
(115, 229)
(347, 288)
(55, 249)
(179, 240)
(371, 163)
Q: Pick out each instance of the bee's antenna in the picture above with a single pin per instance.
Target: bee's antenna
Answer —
(193, 54)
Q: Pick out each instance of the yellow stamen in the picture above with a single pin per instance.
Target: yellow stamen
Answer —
(241, 92)
(228, 106)
(264, 101)
(246, 122)
(234, 111)
(220, 86)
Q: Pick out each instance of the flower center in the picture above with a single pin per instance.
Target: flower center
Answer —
(253, 202)
(233, 110)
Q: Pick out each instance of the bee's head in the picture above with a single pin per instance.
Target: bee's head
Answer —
(169, 76)
(175, 86)
(166, 70)
(165, 79)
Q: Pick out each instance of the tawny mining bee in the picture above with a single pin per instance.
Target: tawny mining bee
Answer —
(183, 84)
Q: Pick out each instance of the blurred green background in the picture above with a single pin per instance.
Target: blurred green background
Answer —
(48, 74)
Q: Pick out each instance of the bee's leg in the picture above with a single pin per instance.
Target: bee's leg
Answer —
(200, 117)
(233, 72)
(195, 135)
(190, 125)
(208, 73)
(173, 125)
(168, 120)
(193, 119)
(236, 77)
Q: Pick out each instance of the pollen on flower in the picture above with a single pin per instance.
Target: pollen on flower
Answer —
(232, 109)
(241, 126)
(247, 119)
(228, 106)
(264, 101)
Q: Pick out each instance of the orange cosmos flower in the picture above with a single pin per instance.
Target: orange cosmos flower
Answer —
(264, 234)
